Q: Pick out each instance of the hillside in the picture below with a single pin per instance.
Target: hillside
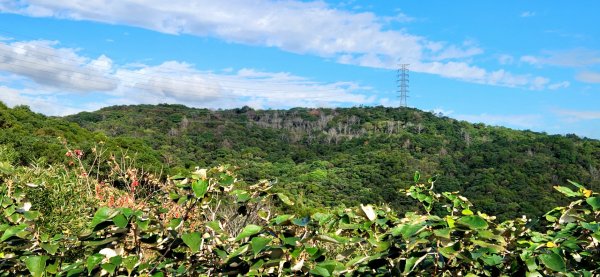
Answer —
(328, 157)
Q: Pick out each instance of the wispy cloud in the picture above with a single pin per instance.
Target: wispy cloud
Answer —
(555, 86)
(576, 115)
(306, 27)
(519, 121)
(527, 14)
(588, 77)
(578, 57)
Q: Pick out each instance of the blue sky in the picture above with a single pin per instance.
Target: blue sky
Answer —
(521, 64)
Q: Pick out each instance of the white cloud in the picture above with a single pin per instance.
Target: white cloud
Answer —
(505, 59)
(519, 121)
(47, 104)
(53, 85)
(530, 60)
(588, 77)
(578, 57)
(527, 14)
(576, 115)
(56, 67)
(564, 84)
(359, 38)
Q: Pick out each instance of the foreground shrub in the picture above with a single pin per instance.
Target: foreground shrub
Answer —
(207, 222)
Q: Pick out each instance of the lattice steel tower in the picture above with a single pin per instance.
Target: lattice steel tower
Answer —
(402, 80)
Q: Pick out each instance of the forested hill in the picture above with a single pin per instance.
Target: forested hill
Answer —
(328, 157)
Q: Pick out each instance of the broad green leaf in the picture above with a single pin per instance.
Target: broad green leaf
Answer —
(417, 176)
(129, 263)
(567, 191)
(13, 230)
(259, 243)
(215, 226)
(553, 261)
(192, 240)
(282, 218)
(492, 260)
(239, 251)
(36, 265)
(407, 230)
(51, 248)
(248, 231)
(412, 262)
(575, 184)
(120, 220)
(103, 214)
(473, 222)
(285, 199)
(200, 188)
(93, 261)
(594, 202)
(174, 223)
(443, 233)
(109, 267)
(320, 271)
(467, 212)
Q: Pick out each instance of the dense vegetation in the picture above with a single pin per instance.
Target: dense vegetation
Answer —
(207, 223)
(88, 197)
(327, 157)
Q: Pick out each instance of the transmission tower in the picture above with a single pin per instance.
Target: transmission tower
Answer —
(402, 80)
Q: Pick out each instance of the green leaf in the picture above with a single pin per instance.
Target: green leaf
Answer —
(553, 261)
(241, 250)
(575, 184)
(259, 243)
(473, 222)
(567, 191)
(130, 263)
(13, 230)
(51, 248)
(594, 202)
(443, 233)
(320, 271)
(417, 176)
(215, 226)
(120, 220)
(192, 240)
(103, 214)
(285, 199)
(282, 218)
(407, 230)
(200, 188)
(467, 212)
(93, 261)
(412, 262)
(248, 231)
(492, 260)
(36, 265)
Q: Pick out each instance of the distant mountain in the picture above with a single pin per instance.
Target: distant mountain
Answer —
(328, 157)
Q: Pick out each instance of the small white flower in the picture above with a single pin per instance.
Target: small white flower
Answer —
(107, 252)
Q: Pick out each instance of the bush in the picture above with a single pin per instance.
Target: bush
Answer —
(206, 222)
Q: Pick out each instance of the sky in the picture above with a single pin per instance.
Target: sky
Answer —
(521, 64)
